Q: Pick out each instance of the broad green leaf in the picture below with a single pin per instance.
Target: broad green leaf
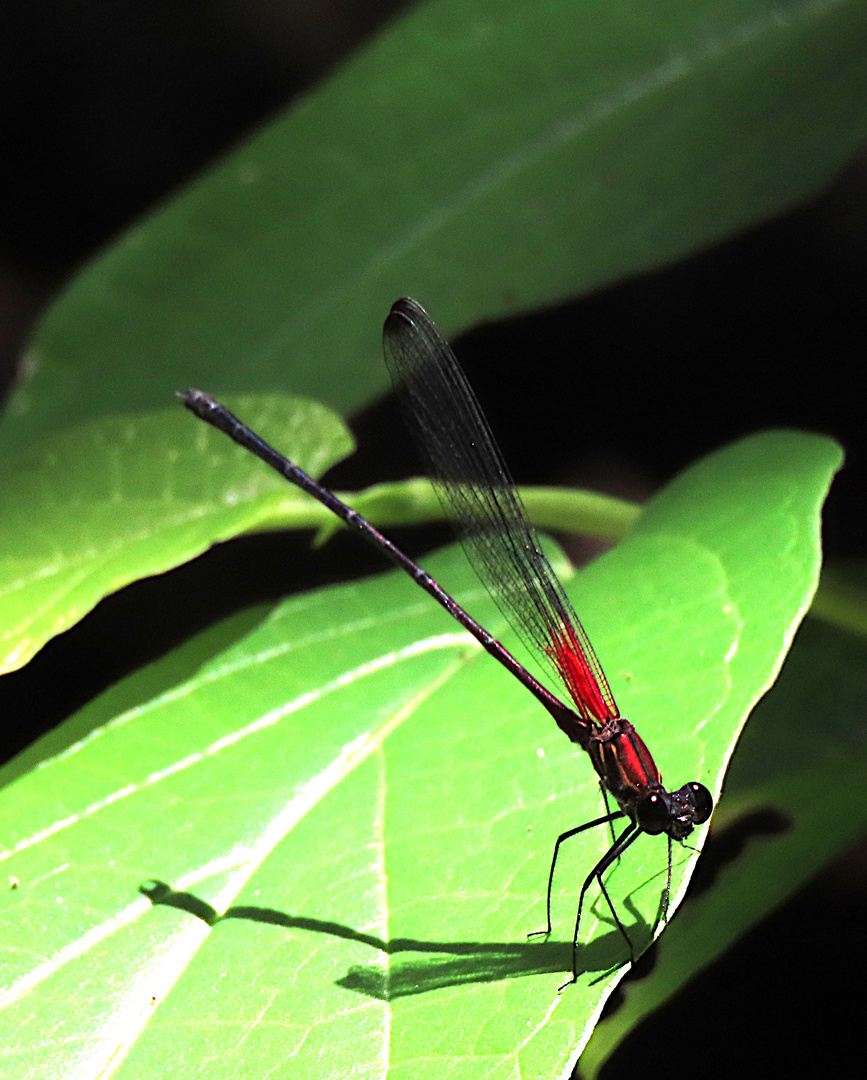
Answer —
(487, 157)
(96, 507)
(794, 795)
(99, 506)
(369, 804)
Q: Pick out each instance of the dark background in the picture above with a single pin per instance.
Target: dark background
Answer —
(108, 105)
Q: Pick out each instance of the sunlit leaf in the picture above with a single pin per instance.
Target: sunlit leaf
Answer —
(328, 845)
(793, 801)
(99, 506)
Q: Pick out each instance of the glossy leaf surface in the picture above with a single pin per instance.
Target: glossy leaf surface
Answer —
(369, 803)
(99, 506)
(793, 801)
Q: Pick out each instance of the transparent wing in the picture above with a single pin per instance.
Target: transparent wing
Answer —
(480, 499)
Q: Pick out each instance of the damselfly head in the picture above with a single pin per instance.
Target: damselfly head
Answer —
(674, 812)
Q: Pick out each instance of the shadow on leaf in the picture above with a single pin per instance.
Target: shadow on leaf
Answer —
(442, 964)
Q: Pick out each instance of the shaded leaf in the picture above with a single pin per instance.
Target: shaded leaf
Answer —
(487, 158)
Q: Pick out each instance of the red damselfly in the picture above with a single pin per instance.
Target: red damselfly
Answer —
(480, 498)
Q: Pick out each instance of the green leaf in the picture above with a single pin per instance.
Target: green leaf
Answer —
(794, 796)
(342, 822)
(97, 507)
(94, 508)
(561, 509)
(486, 157)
